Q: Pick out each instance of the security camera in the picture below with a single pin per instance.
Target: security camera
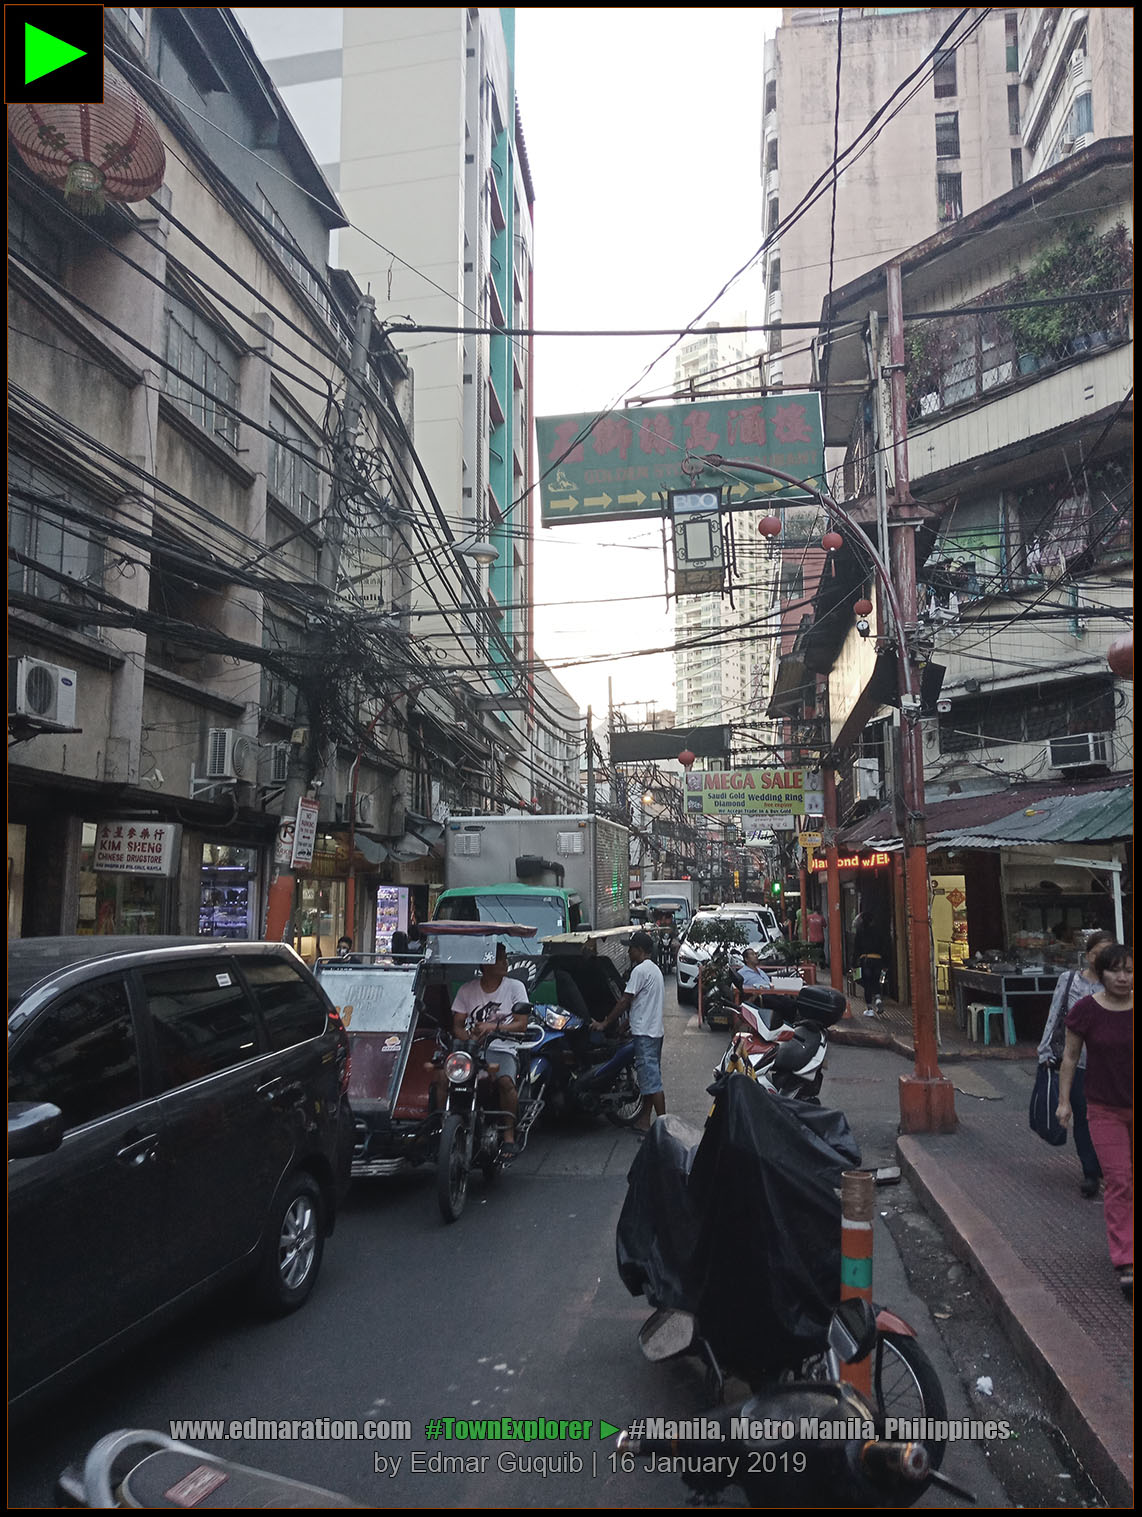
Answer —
(316, 784)
(863, 627)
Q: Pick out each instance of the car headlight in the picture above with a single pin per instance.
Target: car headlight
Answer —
(458, 1067)
(555, 1019)
(687, 958)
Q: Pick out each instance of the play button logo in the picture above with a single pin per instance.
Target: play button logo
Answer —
(53, 54)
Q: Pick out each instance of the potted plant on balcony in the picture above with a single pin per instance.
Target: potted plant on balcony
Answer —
(1076, 262)
(925, 347)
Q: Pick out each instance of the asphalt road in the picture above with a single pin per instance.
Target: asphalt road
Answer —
(516, 1310)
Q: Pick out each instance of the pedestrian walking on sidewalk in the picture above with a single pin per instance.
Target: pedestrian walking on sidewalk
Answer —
(1103, 1024)
(872, 950)
(1072, 986)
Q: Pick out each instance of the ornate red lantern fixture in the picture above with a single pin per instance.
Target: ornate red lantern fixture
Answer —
(686, 759)
(110, 150)
(862, 608)
(832, 541)
(769, 526)
(1120, 657)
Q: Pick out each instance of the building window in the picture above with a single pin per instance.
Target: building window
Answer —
(33, 240)
(949, 197)
(1013, 109)
(1011, 31)
(56, 558)
(775, 276)
(1016, 166)
(948, 135)
(944, 74)
(1081, 118)
(293, 478)
(771, 156)
(772, 218)
(771, 96)
(203, 375)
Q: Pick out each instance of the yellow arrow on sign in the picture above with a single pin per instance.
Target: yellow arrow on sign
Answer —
(637, 499)
(568, 504)
(603, 500)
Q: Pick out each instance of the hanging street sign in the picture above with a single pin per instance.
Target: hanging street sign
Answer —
(625, 463)
(772, 793)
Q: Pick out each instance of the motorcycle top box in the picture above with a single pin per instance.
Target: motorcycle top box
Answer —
(820, 1004)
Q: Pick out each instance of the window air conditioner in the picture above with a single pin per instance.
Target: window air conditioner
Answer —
(1079, 751)
(229, 754)
(44, 693)
(1084, 140)
(1080, 71)
(866, 780)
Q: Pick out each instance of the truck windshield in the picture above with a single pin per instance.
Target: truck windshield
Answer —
(544, 912)
(666, 903)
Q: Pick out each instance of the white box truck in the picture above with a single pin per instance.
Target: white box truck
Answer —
(677, 896)
(558, 873)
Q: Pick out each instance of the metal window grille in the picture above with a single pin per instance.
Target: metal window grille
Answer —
(203, 375)
(944, 74)
(949, 197)
(948, 135)
(293, 474)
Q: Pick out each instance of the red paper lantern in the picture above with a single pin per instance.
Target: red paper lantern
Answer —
(1120, 657)
(769, 526)
(862, 608)
(686, 758)
(832, 541)
(110, 150)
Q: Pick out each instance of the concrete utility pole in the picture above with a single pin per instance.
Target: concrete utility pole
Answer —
(590, 762)
(279, 911)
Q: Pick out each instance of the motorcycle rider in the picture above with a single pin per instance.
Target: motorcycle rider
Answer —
(485, 1010)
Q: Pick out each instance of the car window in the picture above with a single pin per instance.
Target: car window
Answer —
(80, 1054)
(203, 1019)
(291, 1009)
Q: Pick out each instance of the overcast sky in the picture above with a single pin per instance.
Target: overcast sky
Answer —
(643, 132)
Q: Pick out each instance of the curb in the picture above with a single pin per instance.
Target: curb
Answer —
(1082, 1392)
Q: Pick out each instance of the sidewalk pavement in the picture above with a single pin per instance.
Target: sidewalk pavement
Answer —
(1010, 1207)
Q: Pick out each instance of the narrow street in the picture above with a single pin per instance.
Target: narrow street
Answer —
(518, 1310)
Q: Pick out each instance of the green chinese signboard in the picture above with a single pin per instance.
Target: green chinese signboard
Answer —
(754, 792)
(624, 463)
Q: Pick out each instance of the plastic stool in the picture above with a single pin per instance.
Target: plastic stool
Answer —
(979, 1014)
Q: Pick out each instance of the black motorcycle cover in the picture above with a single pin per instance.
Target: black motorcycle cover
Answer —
(744, 1229)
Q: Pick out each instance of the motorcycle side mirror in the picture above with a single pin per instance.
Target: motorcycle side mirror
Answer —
(852, 1330)
(666, 1334)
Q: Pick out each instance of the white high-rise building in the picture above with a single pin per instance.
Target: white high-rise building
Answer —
(718, 672)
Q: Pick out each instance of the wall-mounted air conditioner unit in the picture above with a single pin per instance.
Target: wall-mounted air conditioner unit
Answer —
(1079, 71)
(230, 755)
(43, 693)
(1079, 751)
(866, 780)
(1083, 140)
(363, 813)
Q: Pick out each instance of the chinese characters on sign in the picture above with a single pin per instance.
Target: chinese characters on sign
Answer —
(773, 793)
(136, 848)
(625, 464)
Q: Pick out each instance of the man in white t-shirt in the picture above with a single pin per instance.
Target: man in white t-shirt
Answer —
(485, 1009)
(643, 1000)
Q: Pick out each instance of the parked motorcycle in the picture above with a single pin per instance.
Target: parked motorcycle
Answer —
(576, 1069)
(137, 1468)
(733, 1234)
(786, 1057)
(802, 1442)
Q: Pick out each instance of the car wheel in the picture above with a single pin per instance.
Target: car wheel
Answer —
(292, 1247)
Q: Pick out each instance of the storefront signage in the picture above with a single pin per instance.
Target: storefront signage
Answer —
(305, 832)
(137, 848)
(772, 793)
(853, 861)
(811, 839)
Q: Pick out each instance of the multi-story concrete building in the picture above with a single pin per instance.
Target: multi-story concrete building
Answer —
(412, 114)
(719, 665)
(1006, 95)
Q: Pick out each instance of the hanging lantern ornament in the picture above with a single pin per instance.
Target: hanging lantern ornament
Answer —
(862, 608)
(769, 526)
(832, 541)
(1120, 657)
(686, 759)
(93, 153)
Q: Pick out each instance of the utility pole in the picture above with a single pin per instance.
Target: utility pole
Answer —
(279, 911)
(590, 763)
(927, 1099)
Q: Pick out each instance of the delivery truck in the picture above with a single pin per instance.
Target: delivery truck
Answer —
(557, 873)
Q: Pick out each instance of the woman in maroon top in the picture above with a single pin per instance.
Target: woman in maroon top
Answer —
(1103, 1024)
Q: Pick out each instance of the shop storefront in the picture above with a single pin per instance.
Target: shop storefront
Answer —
(228, 906)
(127, 878)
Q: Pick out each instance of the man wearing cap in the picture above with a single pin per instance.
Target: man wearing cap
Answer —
(643, 1000)
(486, 1010)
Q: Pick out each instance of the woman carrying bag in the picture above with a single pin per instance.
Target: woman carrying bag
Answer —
(1072, 986)
(1103, 1024)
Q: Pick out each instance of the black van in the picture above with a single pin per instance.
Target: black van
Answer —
(177, 1119)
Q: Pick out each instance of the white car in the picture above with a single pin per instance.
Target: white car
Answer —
(691, 956)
